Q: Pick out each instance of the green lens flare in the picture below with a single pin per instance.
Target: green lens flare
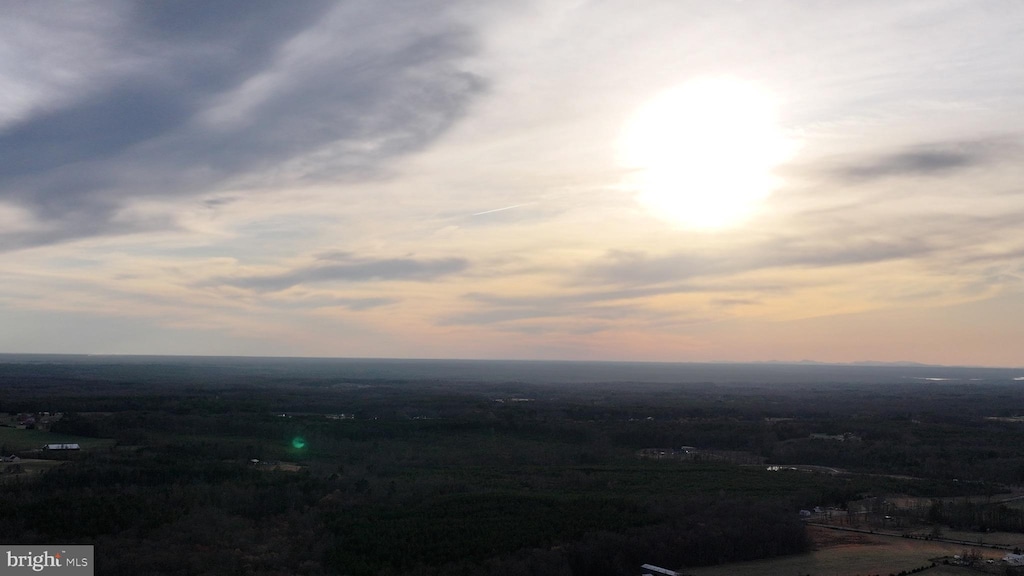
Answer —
(299, 442)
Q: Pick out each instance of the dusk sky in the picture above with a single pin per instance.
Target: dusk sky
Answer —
(660, 180)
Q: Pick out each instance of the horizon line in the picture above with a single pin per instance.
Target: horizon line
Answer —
(805, 362)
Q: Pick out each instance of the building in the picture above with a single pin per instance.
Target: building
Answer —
(658, 570)
(1014, 559)
(61, 447)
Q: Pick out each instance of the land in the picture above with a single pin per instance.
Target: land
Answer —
(190, 466)
(852, 554)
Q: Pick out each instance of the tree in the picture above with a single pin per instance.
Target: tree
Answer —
(970, 556)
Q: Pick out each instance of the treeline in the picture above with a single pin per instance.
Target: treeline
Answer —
(697, 532)
(977, 516)
(184, 511)
(993, 454)
(702, 532)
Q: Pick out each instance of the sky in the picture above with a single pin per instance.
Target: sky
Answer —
(668, 180)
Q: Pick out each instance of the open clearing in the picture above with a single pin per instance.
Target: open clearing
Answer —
(847, 554)
(999, 538)
(27, 467)
(16, 439)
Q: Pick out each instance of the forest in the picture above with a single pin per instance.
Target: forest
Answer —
(219, 468)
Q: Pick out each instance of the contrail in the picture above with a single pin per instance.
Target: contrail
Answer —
(499, 209)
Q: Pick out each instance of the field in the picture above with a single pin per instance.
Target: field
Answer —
(27, 466)
(999, 538)
(16, 439)
(849, 554)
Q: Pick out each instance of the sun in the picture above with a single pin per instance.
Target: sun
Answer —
(701, 155)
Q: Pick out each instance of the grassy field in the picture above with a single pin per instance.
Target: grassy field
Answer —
(1018, 504)
(941, 570)
(849, 554)
(1001, 538)
(16, 439)
(28, 467)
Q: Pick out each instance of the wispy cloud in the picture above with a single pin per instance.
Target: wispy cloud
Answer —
(353, 270)
(641, 268)
(167, 122)
(928, 160)
(354, 303)
(600, 307)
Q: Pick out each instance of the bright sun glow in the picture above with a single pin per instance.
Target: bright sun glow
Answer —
(701, 155)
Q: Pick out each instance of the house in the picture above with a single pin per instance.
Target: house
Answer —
(1014, 559)
(61, 447)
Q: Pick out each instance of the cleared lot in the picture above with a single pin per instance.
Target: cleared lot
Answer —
(848, 554)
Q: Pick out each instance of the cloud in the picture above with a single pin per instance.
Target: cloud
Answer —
(262, 93)
(354, 270)
(927, 160)
(643, 269)
(599, 307)
(732, 302)
(225, 44)
(620, 286)
(816, 253)
(541, 311)
(356, 304)
(637, 268)
(575, 299)
(51, 56)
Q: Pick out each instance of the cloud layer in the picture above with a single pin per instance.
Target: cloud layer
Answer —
(353, 270)
(214, 94)
(442, 178)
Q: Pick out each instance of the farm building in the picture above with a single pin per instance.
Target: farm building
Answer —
(1014, 559)
(61, 447)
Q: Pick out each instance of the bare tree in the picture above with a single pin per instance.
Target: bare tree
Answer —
(970, 556)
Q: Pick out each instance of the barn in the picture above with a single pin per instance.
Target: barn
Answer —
(61, 447)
